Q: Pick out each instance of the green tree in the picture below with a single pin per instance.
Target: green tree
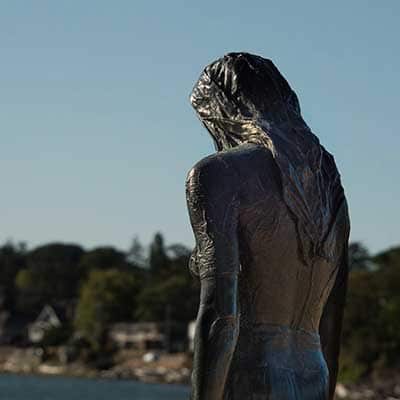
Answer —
(388, 259)
(158, 260)
(179, 251)
(51, 275)
(107, 296)
(102, 258)
(359, 257)
(371, 329)
(136, 253)
(176, 291)
(12, 260)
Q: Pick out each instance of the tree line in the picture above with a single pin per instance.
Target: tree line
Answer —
(106, 285)
(371, 326)
(102, 286)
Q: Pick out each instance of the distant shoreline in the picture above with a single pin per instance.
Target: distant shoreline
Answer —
(87, 377)
(169, 369)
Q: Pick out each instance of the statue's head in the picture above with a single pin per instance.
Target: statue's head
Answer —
(238, 96)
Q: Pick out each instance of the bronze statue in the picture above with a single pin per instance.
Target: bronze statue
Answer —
(271, 225)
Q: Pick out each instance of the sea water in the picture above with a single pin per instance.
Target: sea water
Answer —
(23, 387)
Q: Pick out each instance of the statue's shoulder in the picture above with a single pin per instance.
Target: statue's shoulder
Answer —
(225, 171)
(212, 176)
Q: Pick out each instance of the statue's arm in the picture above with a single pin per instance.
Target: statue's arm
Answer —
(213, 210)
(331, 321)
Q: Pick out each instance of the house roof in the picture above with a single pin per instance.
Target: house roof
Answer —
(53, 314)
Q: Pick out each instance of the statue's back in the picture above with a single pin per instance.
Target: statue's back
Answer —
(281, 297)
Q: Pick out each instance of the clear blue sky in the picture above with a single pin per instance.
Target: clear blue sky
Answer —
(97, 133)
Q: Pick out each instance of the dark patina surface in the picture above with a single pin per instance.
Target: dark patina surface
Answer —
(271, 226)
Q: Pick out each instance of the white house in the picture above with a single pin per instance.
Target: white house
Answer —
(46, 320)
(141, 335)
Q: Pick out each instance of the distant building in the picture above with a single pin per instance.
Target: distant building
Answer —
(50, 317)
(141, 335)
(190, 333)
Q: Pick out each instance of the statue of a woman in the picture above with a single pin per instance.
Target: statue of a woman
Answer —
(271, 226)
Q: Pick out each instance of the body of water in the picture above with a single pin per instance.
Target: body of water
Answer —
(22, 387)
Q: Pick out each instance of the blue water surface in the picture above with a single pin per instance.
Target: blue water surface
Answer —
(23, 387)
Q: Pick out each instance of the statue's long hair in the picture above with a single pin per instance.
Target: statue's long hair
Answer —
(243, 98)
